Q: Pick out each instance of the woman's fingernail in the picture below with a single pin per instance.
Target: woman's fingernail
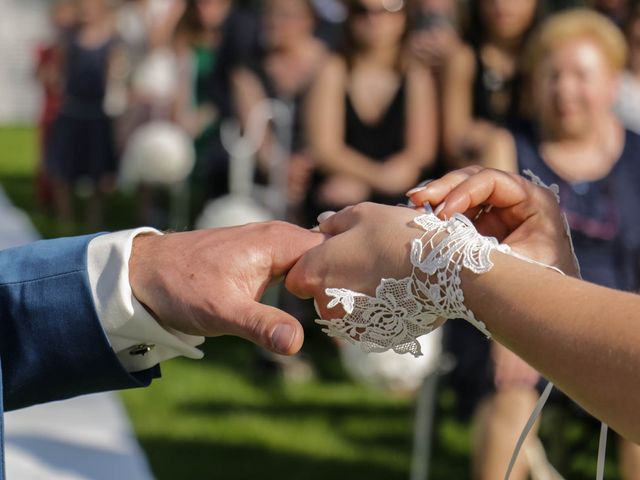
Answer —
(439, 208)
(282, 338)
(413, 191)
(324, 216)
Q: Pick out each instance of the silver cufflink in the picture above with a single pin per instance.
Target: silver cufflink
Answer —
(141, 349)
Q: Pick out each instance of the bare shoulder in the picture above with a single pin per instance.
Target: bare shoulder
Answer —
(334, 65)
(332, 74)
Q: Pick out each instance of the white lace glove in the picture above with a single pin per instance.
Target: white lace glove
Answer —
(406, 309)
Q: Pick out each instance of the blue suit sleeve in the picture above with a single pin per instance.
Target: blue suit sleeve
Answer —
(52, 345)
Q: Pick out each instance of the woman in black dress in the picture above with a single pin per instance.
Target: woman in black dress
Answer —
(371, 115)
(482, 80)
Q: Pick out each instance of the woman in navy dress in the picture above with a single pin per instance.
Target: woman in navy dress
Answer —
(482, 79)
(576, 142)
(81, 142)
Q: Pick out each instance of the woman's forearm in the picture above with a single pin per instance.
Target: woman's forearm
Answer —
(392, 177)
(344, 160)
(583, 337)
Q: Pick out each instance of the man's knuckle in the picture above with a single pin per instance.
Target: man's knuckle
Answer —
(253, 325)
(275, 227)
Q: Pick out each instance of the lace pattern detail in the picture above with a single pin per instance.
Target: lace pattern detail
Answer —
(406, 309)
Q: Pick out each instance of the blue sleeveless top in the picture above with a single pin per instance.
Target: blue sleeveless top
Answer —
(604, 215)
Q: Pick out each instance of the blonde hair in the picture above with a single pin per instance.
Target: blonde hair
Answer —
(577, 24)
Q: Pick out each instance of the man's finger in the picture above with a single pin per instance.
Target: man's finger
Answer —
(268, 327)
(289, 243)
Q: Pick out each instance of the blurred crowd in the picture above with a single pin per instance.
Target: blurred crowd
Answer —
(217, 112)
(315, 104)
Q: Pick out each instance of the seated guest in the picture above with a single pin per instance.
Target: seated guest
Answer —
(371, 113)
(290, 59)
(482, 80)
(198, 38)
(576, 142)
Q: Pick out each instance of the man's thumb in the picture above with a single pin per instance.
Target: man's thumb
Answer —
(270, 328)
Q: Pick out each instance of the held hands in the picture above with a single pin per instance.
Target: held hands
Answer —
(209, 282)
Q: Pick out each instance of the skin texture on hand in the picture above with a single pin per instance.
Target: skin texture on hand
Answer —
(209, 282)
(524, 216)
(368, 242)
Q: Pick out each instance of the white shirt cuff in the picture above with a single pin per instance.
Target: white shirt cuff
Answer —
(128, 325)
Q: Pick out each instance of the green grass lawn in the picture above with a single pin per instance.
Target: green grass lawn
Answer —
(220, 418)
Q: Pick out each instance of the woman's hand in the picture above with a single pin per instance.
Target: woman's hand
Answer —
(300, 171)
(368, 242)
(523, 215)
(434, 46)
(395, 174)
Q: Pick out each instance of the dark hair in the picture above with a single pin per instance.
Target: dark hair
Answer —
(308, 4)
(474, 29)
(349, 45)
(634, 16)
(190, 25)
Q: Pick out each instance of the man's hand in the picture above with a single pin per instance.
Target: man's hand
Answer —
(209, 282)
(524, 216)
